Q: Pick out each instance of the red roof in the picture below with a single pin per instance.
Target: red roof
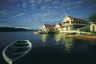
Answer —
(94, 22)
(75, 18)
(60, 24)
(49, 26)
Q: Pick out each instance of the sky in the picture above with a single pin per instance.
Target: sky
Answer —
(32, 14)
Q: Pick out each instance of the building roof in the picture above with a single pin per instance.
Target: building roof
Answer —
(49, 26)
(94, 22)
(60, 24)
(75, 18)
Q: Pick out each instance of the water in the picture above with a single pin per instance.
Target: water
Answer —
(53, 49)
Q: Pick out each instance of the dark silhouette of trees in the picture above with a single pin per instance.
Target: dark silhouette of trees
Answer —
(92, 18)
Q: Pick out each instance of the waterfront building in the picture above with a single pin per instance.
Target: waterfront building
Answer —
(50, 27)
(93, 26)
(68, 24)
(72, 24)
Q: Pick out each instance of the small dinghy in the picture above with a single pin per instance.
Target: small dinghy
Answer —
(16, 50)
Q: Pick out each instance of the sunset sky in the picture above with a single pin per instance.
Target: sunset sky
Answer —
(33, 13)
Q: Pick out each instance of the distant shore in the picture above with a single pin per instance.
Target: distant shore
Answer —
(13, 29)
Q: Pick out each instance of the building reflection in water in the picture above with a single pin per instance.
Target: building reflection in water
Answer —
(57, 37)
(60, 40)
(67, 42)
(43, 38)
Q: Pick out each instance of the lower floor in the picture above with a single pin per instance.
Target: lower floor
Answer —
(72, 27)
(93, 28)
(66, 28)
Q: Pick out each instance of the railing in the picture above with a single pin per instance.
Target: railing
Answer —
(72, 24)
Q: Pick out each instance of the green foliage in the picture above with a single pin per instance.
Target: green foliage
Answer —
(92, 17)
(54, 32)
(8, 29)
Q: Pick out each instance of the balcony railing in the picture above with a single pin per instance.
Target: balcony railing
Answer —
(73, 24)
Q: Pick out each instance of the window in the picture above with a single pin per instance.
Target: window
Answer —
(67, 21)
(72, 22)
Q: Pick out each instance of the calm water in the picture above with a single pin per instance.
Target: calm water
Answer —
(53, 49)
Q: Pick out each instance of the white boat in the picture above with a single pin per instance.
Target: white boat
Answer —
(16, 50)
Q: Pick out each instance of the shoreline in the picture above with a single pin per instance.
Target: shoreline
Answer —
(85, 37)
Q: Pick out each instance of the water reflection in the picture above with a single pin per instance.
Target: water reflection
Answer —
(57, 39)
(43, 37)
(51, 48)
(68, 43)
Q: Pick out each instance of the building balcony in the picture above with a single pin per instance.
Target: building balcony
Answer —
(67, 24)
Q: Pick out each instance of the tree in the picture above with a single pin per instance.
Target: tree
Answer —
(92, 18)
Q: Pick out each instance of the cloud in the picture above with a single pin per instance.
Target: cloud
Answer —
(6, 22)
(43, 4)
(55, 2)
(18, 15)
(32, 1)
(3, 12)
(44, 16)
(36, 1)
(91, 7)
(47, 0)
(80, 2)
(24, 5)
(33, 6)
(48, 8)
(69, 9)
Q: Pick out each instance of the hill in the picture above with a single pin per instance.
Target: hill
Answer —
(8, 29)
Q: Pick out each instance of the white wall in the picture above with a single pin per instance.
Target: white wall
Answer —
(43, 28)
(93, 27)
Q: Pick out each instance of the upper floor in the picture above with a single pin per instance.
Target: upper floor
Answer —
(68, 20)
